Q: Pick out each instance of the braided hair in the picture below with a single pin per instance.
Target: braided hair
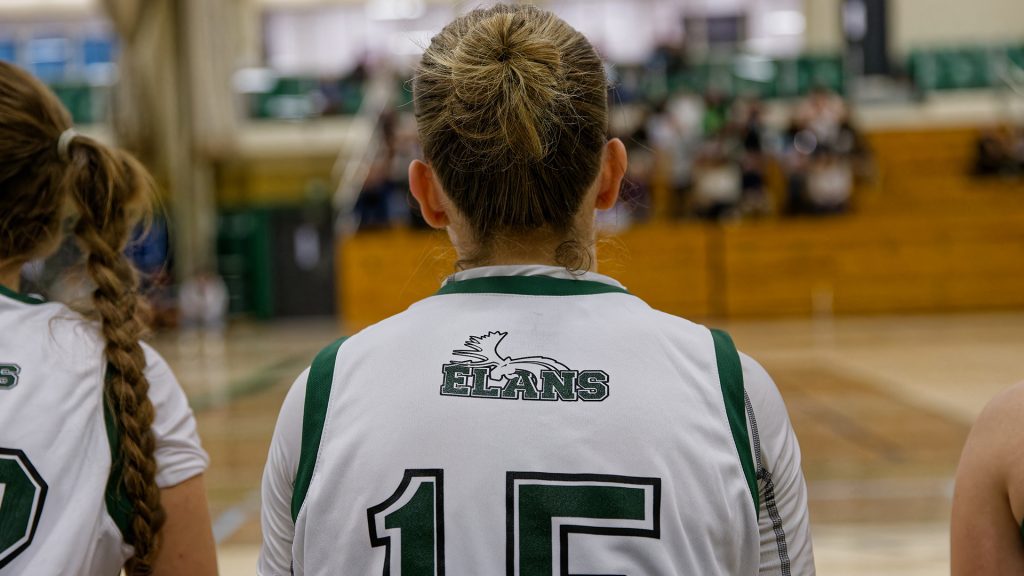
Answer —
(47, 173)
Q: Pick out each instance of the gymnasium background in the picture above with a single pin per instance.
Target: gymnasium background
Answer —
(838, 183)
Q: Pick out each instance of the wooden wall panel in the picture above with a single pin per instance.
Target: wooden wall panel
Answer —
(382, 273)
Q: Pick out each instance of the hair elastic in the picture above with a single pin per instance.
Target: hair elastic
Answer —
(64, 142)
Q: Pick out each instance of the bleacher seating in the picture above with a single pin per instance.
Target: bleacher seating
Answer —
(927, 237)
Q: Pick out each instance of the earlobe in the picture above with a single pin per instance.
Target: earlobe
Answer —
(613, 170)
(424, 188)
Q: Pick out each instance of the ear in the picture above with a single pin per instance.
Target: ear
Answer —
(425, 189)
(613, 169)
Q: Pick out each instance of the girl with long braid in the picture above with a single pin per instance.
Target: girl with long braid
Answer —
(100, 463)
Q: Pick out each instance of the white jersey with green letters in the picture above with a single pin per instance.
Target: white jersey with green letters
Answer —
(61, 510)
(528, 422)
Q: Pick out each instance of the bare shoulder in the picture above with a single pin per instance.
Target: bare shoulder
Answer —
(1001, 423)
(1012, 397)
(996, 436)
(992, 456)
(985, 532)
(1006, 412)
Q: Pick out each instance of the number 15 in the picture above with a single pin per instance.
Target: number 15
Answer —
(410, 524)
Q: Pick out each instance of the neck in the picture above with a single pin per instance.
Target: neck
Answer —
(577, 255)
(10, 275)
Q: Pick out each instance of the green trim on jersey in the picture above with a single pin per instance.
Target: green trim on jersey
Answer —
(119, 506)
(23, 298)
(529, 286)
(730, 375)
(314, 414)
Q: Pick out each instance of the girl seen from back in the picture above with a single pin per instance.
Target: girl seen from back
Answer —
(100, 464)
(533, 417)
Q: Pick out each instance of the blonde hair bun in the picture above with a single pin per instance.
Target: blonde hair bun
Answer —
(512, 109)
(507, 73)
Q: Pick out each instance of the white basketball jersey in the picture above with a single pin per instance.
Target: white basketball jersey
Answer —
(60, 511)
(521, 422)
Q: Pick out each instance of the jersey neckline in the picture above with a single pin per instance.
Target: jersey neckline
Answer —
(529, 286)
(23, 298)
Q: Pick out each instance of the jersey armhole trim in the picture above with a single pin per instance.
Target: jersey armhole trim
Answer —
(119, 506)
(730, 376)
(1022, 529)
(314, 414)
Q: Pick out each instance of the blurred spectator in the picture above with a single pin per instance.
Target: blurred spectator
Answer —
(383, 200)
(373, 207)
(1017, 147)
(717, 182)
(798, 144)
(163, 304)
(716, 113)
(671, 58)
(674, 130)
(823, 113)
(822, 155)
(625, 84)
(203, 302)
(999, 151)
(753, 200)
(829, 182)
(636, 191)
(406, 148)
(850, 143)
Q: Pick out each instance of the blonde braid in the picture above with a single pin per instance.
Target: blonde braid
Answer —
(109, 188)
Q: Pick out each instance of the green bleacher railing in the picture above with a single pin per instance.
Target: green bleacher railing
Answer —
(960, 68)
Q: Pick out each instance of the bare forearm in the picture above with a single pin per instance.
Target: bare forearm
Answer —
(187, 544)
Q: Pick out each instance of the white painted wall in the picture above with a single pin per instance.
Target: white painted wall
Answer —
(824, 33)
(623, 31)
(924, 23)
(42, 9)
(333, 40)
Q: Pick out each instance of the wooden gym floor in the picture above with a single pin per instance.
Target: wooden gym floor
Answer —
(881, 405)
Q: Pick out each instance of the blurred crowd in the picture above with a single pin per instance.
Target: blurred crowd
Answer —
(385, 199)
(711, 157)
(719, 158)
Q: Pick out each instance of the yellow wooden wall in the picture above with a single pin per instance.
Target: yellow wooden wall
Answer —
(875, 265)
(841, 266)
(382, 273)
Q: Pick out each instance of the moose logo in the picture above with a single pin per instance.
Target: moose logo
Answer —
(484, 372)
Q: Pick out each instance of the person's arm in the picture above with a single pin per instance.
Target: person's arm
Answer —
(187, 545)
(783, 517)
(988, 501)
(278, 484)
